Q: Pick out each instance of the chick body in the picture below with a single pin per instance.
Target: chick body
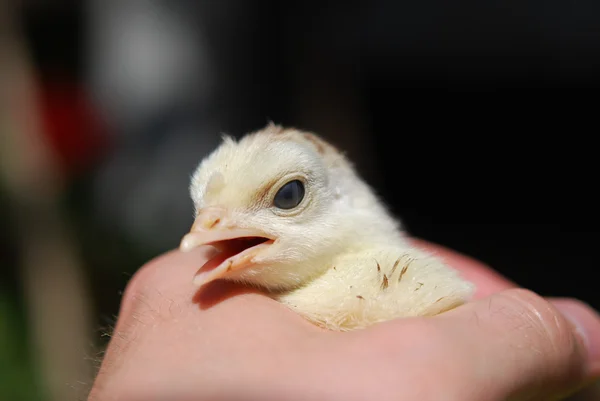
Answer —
(340, 259)
(375, 284)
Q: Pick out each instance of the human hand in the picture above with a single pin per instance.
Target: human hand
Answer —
(225, 342)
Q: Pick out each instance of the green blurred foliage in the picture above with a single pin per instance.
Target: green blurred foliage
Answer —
(18, 379)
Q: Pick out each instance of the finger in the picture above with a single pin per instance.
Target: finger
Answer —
(487, 280)
(169, 275)
(516, 344)
(585, 322)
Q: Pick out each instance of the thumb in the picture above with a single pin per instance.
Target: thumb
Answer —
(517, 345)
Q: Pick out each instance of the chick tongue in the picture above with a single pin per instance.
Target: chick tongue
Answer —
(227, 249)
(220, 257)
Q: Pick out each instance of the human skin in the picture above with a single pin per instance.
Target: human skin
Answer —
(226, 342)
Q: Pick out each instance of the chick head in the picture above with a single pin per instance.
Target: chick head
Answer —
(272, 203)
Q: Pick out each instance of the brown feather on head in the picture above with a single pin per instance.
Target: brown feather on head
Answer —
(332, 155)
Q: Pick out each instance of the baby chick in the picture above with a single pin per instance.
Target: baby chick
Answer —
(290, 215)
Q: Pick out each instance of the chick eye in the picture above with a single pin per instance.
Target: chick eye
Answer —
(290, 195)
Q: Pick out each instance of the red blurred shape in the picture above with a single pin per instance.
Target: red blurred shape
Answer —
(72, 126)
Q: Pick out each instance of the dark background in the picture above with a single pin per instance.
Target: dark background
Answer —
(476, 121)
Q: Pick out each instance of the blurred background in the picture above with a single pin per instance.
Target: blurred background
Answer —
(476, 121)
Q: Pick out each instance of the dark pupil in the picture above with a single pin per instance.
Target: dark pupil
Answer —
(290, 195)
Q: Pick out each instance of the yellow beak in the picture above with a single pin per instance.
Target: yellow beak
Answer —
(237, 246)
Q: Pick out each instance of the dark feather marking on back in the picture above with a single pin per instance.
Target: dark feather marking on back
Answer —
(384, 284)
(402, 272)
(395, 266)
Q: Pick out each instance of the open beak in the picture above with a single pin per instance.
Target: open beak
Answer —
(237, 246)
